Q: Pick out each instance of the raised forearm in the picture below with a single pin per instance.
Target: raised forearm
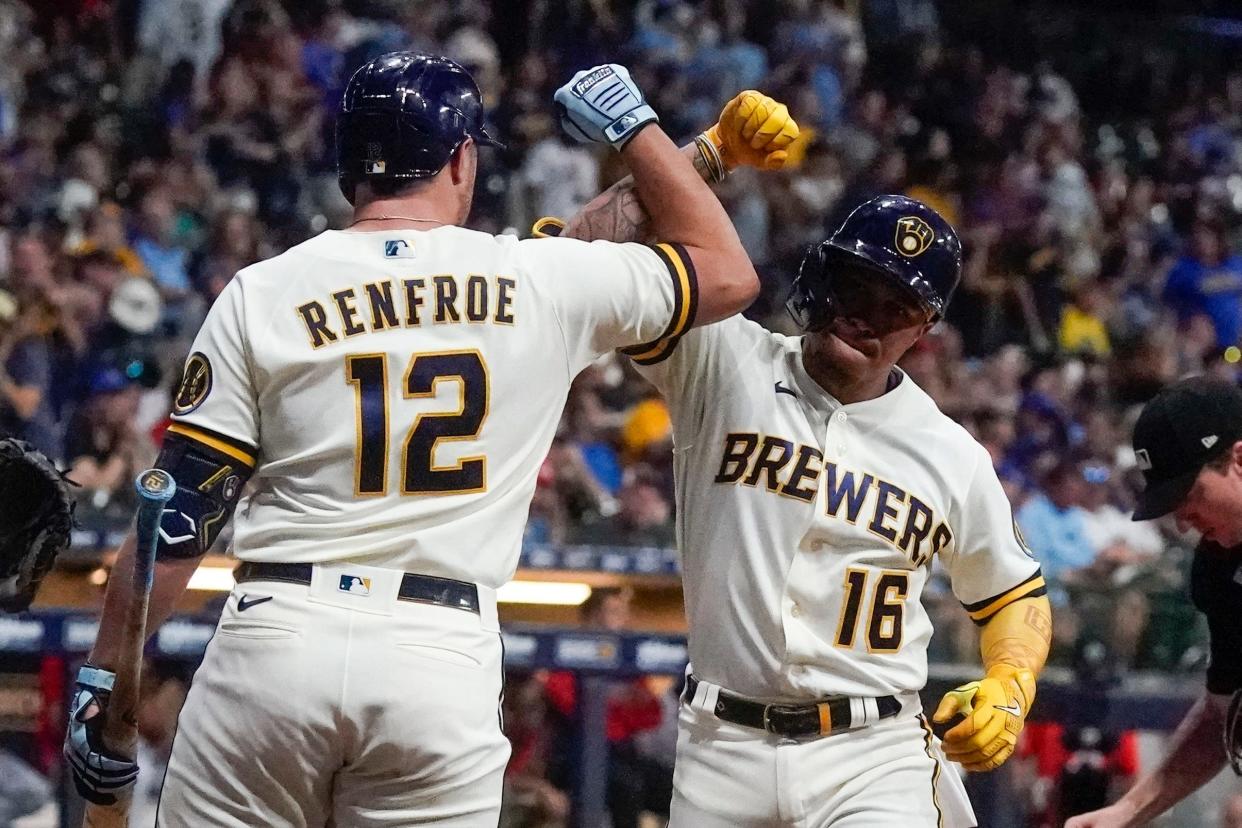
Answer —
(171, 578)
(617, 214)
(1019, 635)
(1195, 756)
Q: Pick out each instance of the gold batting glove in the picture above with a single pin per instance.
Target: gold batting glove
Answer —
(753, 131)
(995, 709)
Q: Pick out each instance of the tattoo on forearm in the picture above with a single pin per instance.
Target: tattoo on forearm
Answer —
(614, 215)
(617, 214)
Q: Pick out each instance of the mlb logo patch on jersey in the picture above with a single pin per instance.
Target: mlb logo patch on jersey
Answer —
(355, 585)
(398, 249)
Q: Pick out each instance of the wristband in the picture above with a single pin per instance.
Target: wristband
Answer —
(711, 158)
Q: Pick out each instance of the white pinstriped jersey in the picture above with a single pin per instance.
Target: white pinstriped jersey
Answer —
(396, 391)
(807, 528)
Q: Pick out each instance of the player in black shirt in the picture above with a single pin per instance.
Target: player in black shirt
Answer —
(1188, 442)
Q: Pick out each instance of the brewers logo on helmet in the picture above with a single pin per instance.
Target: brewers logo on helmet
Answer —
(895, 237)
(913, 235)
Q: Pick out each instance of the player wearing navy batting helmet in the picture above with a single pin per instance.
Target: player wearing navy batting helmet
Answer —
(817, 486)
(894, 238)
(402, 117)
(379, 400)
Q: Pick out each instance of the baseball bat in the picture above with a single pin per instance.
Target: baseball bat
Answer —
(155, 488)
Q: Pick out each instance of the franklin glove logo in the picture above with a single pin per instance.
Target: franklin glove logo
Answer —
(583, 86)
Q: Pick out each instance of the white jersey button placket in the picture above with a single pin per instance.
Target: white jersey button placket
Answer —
(836, 432)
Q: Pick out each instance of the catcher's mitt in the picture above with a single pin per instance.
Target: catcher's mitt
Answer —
(36, 519)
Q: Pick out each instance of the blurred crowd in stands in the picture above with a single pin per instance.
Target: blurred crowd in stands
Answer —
(148, 150)
(151, 148)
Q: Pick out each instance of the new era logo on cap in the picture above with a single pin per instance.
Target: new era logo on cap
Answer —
(1209, 440)
(1144, 459)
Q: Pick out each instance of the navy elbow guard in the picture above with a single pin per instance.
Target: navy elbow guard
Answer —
(209, 482)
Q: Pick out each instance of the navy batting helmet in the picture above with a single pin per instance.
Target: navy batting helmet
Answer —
(403, 116)
(897, 238)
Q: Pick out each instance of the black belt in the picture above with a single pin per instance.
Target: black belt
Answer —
(423, 589)
(832, 715)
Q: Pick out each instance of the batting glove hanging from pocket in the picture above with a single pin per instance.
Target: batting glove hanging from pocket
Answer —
(603, 105)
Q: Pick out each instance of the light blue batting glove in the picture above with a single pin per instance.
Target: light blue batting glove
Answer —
(99, 775)
(603, 105)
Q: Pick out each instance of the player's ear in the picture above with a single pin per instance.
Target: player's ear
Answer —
(1236, 453)
(461, 165)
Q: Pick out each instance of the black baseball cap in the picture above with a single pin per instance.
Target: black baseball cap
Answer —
(1180, 429)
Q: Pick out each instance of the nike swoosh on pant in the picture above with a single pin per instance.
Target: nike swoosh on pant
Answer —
(244, 604)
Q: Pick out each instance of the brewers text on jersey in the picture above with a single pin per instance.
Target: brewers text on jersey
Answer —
(894, 514)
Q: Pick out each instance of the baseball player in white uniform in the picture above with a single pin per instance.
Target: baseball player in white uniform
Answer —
(817, 485)
(385, 396)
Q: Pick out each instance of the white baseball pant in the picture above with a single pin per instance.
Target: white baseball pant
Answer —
(890, 774)
(332, 707)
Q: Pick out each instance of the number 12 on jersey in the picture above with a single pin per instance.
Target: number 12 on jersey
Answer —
(419, 474)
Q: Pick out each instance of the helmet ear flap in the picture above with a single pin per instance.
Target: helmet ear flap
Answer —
(810, 302)
(402, 116)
